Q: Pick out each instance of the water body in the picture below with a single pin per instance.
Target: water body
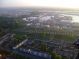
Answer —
(75, 18)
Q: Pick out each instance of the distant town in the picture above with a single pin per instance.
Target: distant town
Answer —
(30, 33)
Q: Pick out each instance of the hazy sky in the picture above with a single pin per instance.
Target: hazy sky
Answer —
(40, 3)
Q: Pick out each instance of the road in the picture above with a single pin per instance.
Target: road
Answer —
(20, 44)
(4, 38)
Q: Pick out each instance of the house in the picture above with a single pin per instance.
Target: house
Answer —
(76, 43)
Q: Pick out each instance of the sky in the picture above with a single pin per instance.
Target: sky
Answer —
(40, 3)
